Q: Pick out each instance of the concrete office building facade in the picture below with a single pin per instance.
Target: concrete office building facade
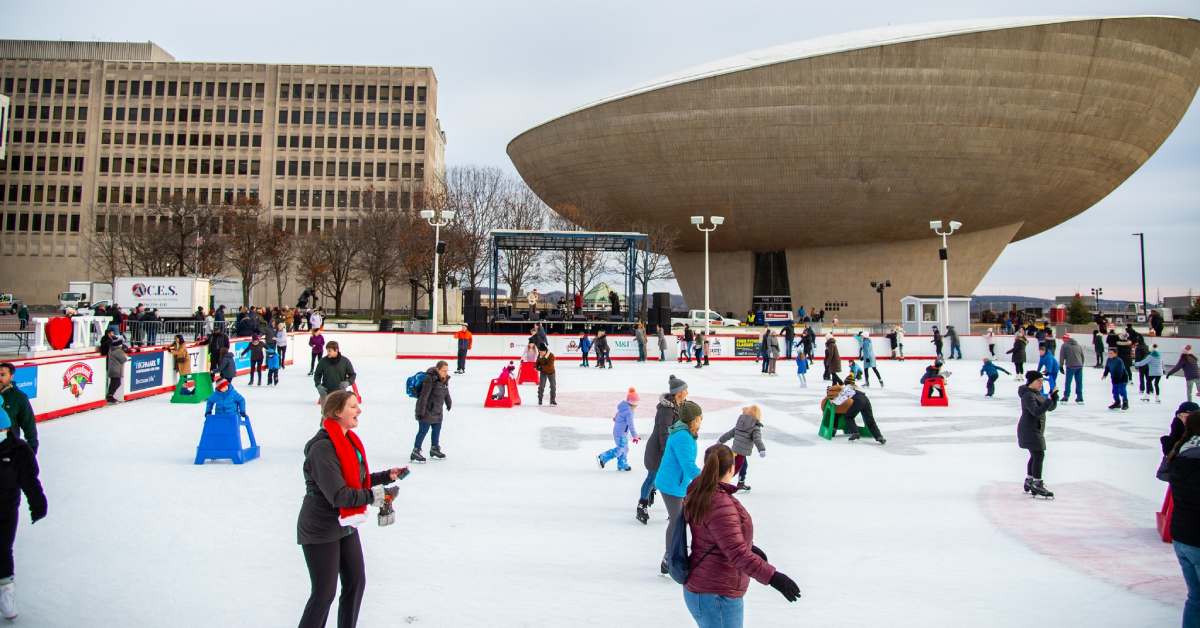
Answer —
(100, 131)
(828, 158)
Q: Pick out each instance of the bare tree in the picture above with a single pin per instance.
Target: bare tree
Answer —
(280, 249)
(186, 233)
(478, 195)
(653, 264)
(108, 254)
(311, 265)
(380, 258)
(333, 250)
(523, 210)
(246, 235)
(579, 269)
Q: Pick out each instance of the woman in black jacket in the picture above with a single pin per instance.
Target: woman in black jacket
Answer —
(435, 393)
(18, 474)
(1184, 471)
(338, 487)
(1031, 430)
(1178, 429)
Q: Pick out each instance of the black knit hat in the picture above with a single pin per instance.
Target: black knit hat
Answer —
(1032, 376)
(1188, 406)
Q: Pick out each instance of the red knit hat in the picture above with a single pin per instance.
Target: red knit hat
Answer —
(222, 385)
(632, 397)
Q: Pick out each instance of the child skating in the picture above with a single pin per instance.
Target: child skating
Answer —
(272, 365)
(502, 380)
(993, 373)
(585, 346)
(623, 430)
(802, 368)
(746, 435)
(1115, 366)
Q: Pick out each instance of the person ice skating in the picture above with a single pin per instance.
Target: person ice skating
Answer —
(585, 345)
(334, 371)
(772, 352)
(855, 370)
(802, 368)
(705, 339)
(955, 346)
(678, 467)
(866, 351)
(808, 339)
(1048, 365)
(1018, 352)
(639, 336)
(1183, 473)
(937, 341)
(662, 345)
(338, 487)
(746, 435)
(789, 338)
(1125, 352)
(258, 355)
(502, 380)
(434, 395)
(531, 353)
(1140, 352)
(18, 474)
(602, 350)
(993, 373)
(764, 356)
(723, 555)
(860, 404)
(1120, 380)
(832, 361)
(1071, 359)
(116, 368)
(689, 337)
(224, 400)
(273, 364)
(624, 431)
(1031, 430)
(545, 368)
(281, 344)
(22, 422)
(224, 366)
(698, 349)
(1191, 370)
(316, 341)
(464, 340)
(931, 372)
(1154, 371)
(1098, 347)
(1049, 341)
(180, 357)
(1178, 429)
(666, 413)
(990, 339)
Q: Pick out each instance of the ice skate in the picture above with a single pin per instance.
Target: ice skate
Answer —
(1028, 484)
(742, 486)
(855, 436)
(436, 452)
(626, 468)
(1125, 405)
(662, 568)
(643, 512)
(416, 456)
(601, 460)
(881, 440)
(1116, 405)
(1038, 489)
(1157, 399)
(8, 600)
(650, 501)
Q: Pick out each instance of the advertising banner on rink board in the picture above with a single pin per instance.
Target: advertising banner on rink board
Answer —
(67, 386)
(146, 370)
(25, 379)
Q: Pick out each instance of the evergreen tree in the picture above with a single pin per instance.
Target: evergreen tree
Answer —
(1077, 312)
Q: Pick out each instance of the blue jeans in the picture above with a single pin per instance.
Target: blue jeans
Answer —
(641, 351)
(1052, 378)
(715, 611)
(648, 484)
(955, 351)
(1119, 393)
(618, 452)
(1189, 561)
(423, 429)
(1074, 373)
(687, 350)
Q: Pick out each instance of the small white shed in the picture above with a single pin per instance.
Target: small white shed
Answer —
(920, 312)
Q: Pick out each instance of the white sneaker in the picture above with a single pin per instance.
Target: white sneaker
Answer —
(8, 600)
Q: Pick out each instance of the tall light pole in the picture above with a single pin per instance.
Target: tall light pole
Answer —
(879, 287)
(699, 222)
(1096, 292)
(1142, 242)
(437, 220)
(944, 253)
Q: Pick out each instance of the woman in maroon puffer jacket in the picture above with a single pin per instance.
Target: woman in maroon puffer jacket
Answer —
(723, 555)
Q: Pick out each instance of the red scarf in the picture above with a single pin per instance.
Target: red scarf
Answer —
(344, 446)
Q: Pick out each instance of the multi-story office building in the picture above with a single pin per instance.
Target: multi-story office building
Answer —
(100, 131)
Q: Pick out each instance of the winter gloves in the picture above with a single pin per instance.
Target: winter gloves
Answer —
(780, 582)
(380, 494)
(762, 454)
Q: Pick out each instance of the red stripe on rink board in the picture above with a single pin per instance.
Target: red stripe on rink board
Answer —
(54, 414)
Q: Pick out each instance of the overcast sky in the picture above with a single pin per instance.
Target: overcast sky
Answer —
(503, 67)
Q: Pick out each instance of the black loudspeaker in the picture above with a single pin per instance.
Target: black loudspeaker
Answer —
(662, 300)
(471, 297)
(664, 318)
(555, 315)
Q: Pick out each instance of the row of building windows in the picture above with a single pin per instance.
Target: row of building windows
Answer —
(357, 142)
(53, 164)
(343, 199)
(47, 112)
(354, 169)
(149, 196)
(46, 87)
(357, 93)
(346, 118)
(30, 136)
(245, 140)
(21, 222)
(26, 193)
(155, 165)
(219, 115)
(198, 89)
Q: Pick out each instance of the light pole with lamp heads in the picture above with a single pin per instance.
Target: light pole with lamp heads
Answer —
(716, 221)
(437, 220)
(944, 253)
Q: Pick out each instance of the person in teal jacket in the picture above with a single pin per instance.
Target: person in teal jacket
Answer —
(993, 373)
(678, 467)
(1048, 365)
(225, 400)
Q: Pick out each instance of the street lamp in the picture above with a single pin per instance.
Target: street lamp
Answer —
(1142, 241)
(437, 220)
(879, 287)
(944, 254)
(1096, 292)
(699, 222)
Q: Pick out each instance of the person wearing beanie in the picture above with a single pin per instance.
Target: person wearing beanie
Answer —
(993, 373)
(116, 368)
(23, 422)
(1071, 358)
(666, 413)
(257, 350)
(547, 375)
(1183, 473)
(866, 351)
(746, 435)
(1018, 353)
(1115, 366)
(859, 404)
(1178, 426)
(1031, 430)
(937, 341)
(18, 474)
(224, 400)
(1191, 370)
(623, 430)
(1153, 366)
(678, 467)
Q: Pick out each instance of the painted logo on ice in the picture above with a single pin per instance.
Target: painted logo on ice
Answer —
(76, 378)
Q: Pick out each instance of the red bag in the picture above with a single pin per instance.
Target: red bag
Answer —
(1163, 519)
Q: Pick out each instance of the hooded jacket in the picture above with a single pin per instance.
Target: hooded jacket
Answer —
(666, 413)
(1153, 361)
(1187, 362)
(1116, 368)
(225, 366)
(678, 467)
(334, 373)
(116, 361)
(1071, 354)
(1031, 428)
(435, 394)
(833, 361)
(623, 421)
(746, 435)
(721, 560)
(1184, 472)
(20, 414)
(227, 402)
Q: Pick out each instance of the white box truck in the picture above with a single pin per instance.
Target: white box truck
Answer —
(84, 293)
(227, 292)
(173, 297)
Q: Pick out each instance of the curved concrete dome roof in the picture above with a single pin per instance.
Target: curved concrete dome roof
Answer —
(1017, 123)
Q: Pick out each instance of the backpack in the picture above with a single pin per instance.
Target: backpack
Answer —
(413, 385)
(678, 560)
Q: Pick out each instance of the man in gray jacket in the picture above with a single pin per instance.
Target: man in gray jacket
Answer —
(665, 414)
(1071, 358)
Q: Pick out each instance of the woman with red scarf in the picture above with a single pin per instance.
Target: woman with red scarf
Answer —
(339, 486)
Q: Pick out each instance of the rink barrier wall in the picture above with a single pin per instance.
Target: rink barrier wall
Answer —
(75, 382)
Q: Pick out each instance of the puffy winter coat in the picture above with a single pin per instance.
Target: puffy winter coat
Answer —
(1116, 368)
(1187, 362)
(334, 373)
(19, 474)
(746, 435)
(227, 402)
(22, 422)
(585, 344)
(666, 413)
(1153, 362)
(435, 394)
(678, 467)
(1047, 364)
(1018, 350)
(1184, 474)
(1071, 354)
(325, 491)
(833, 361)
(623, 421)
(225, 366)
(183, 362)
(1031, 428)
(116, 361)
(868, 352)
(721, 560)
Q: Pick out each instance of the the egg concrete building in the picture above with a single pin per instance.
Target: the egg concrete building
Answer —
(828, 158)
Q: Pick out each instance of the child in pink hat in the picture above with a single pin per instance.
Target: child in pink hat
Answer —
(623, 428)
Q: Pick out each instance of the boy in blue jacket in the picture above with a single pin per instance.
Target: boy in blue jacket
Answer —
(1048, 365)
(1115, 366)
(272, 364)
(802, 367)
(993, 373)
(585, 345)
(622, 426)
(225, 400)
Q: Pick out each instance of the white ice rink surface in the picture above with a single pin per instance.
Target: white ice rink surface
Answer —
(519, 527)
